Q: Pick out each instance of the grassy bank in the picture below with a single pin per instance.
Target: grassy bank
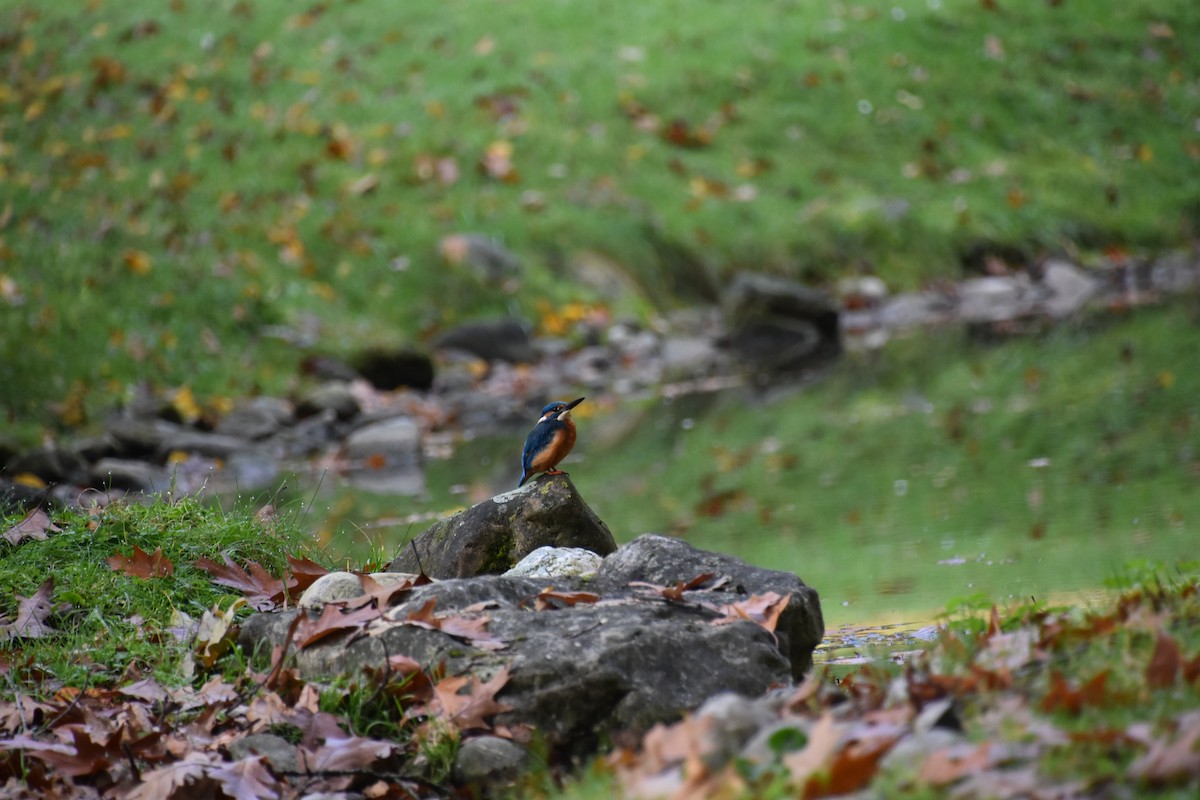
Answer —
(185, 182)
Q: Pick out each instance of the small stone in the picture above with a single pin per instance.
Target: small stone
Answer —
(488, 760)
(557, 562)
(333, 396)
(279, 752)
(733, 721)
(330, 587)
(129, 475)
(1070, 288)
(256, 418)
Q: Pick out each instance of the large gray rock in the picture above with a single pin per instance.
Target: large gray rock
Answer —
(583, 670)
(256, 418)
(665, 561)
(492, 340)
(491, 537)
(780, 325)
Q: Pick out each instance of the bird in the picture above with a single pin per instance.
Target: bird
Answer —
(549, 442)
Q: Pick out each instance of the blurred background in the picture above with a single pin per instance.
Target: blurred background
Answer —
(898, 296)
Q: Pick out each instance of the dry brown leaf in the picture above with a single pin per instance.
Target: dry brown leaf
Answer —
(262, 589)
(816, 756)
(32, 612)
(761, 609)
(469, 711)
(36, 525)
(248, 779)
(1172, 760)
(1165, 662)
(950, 764)
(141, 564)
(334, 619)
(549, 599)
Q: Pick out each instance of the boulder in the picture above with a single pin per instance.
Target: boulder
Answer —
(129, 475)
(52, 464)
(491, 537)
(334, 396)
(779, 325)
(492, 340)
(256, 418)
(583, 669)
(385, 457)
(392, 369)
(665, 561)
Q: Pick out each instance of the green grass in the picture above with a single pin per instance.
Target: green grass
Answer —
(119, 625)
(181, 179)
(1039, 466)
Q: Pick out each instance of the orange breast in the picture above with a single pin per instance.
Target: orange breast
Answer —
(560, 446)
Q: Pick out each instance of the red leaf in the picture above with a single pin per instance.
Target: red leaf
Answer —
(142, 564)
(304, 574)
(761, 609)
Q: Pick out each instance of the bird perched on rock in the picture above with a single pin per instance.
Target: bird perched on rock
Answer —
(550, 440)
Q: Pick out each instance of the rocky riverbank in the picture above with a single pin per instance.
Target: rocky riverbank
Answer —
(377, 418)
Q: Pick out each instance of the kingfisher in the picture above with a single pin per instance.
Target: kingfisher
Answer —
(550, 440)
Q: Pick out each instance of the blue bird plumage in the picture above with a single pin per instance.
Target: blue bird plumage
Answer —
(550, 440)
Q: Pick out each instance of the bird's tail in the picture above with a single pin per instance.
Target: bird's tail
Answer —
(524, 477)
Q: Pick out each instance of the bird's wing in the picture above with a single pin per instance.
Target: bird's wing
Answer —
(538, 440)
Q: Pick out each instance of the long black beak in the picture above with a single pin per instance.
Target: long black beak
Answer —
(574, 403)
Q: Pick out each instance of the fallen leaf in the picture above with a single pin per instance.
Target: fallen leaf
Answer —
(142, 564)
(950, 764)
(816, 755)
(551, 599)
(187, 777)
(469, 711)
(334, 618)
(35, 525)
(352, 753)
(262, 589)
(761, 609)
(1165, 662)
(1062, 697)
(216, 633)
(1175, 759)
(248, 779)
(31, 614)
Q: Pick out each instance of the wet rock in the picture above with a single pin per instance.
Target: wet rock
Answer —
(393, 369)
(492, 340)
(256, 418)
(556, 562)
(129, 475)
(52, 464)
(486, 761)
(584, 673)
(334, 396)
(491, 537)
(778, 324)
(1069, 288)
